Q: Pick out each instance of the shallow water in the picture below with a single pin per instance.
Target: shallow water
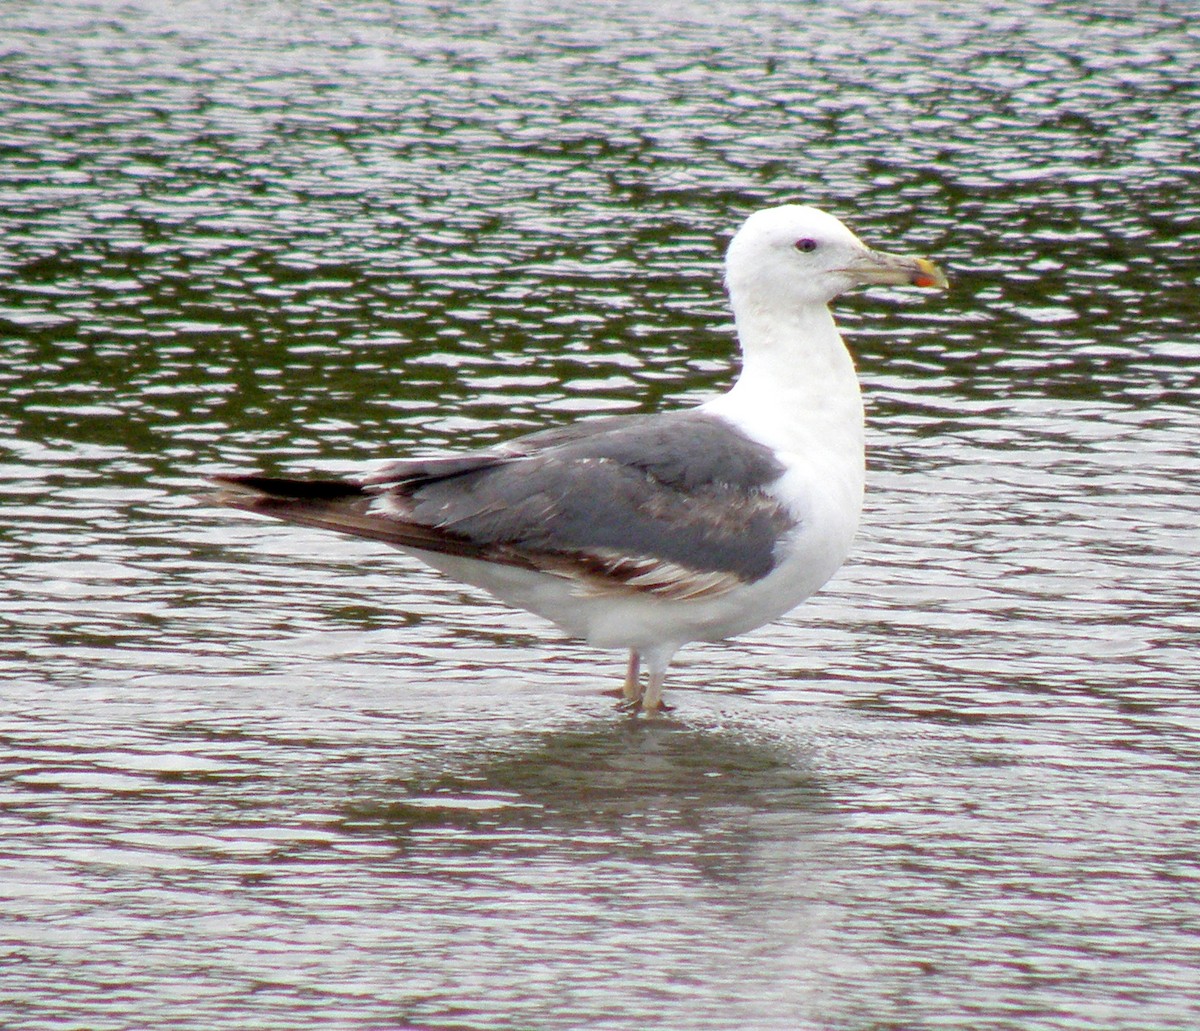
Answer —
(255, 776)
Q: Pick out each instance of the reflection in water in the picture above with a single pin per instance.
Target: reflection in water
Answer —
(620, 836)
(256, 777)
(627, 784)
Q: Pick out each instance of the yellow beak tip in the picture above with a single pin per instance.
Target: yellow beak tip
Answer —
(929, 276)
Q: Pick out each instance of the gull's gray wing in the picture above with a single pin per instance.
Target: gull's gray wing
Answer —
(676, 505)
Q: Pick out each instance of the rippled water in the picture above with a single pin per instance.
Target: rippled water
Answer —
(254, 776)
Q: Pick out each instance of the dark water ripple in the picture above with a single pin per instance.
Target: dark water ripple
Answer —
(250, 776)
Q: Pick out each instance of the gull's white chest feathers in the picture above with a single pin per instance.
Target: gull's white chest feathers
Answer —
(814, 427)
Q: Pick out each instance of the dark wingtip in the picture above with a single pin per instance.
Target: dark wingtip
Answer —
(247, 488)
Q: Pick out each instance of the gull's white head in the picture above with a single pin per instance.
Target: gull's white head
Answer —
(795, 256)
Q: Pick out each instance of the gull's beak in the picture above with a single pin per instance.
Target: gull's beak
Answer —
(883, 269)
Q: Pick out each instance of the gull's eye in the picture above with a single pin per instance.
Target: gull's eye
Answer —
(806, 245)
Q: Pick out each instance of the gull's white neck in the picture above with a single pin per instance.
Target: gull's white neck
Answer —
(798, 394)
(798, 386)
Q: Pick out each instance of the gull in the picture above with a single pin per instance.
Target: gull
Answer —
(648, 532)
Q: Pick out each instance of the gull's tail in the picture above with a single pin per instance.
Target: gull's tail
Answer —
(343, 506)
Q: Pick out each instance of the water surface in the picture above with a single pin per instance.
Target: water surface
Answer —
(255, 776)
